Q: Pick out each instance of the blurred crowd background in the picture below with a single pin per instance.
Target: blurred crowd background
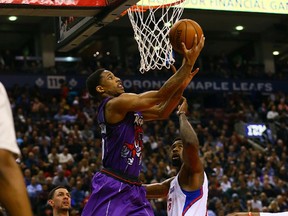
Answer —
(60, 141)
(222, 66)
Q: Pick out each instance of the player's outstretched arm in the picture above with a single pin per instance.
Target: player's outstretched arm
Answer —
(165, 108)
(191, 174)
(241, 214)
(13, 194)
(139, 102)
(158, 190)
(190, 56)
(258, 214)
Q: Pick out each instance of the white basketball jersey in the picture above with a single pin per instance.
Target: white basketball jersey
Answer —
(7, 134)
(187, 203)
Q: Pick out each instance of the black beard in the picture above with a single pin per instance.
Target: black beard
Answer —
(177, 163)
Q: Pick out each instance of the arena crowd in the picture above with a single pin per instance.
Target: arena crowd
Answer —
(61, 144)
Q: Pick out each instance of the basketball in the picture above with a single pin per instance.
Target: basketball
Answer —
(184, 31)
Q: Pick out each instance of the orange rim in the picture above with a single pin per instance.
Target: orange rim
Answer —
(142, 8)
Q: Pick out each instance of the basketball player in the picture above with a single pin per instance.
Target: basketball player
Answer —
(188, 191)
(116, 189)
(60, 201)
(13, 194)
(258, 214)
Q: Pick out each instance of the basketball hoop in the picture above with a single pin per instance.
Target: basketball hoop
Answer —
(151, 21)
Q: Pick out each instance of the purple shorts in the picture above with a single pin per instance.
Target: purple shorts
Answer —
(111, 197)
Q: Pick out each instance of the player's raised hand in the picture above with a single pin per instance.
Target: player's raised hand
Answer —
(173, 68)
(192, 54)
(183, 107)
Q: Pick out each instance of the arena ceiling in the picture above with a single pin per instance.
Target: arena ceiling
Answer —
(221, 37)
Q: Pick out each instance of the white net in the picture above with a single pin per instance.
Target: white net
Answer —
(151, 23)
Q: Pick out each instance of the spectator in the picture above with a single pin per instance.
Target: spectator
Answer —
(272, 114)
(53, 156)
(77, 195)
(60, 179)
(225, 183)
(34, 189)
(256, 202)
(65, 156)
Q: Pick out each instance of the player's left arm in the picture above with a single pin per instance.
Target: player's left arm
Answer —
(191, 174)
(158, 190)
(244, 214)
(164, 109)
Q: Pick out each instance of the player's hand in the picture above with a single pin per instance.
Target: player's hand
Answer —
(173, 68)
(192, 54)
(183, 107)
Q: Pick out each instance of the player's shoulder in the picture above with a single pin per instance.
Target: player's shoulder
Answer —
(1, 87)
(122, 97)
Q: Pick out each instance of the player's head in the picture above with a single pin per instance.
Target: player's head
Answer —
(59, 198)
(176, 152)
(103, 83)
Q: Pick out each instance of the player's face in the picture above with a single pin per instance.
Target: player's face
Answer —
(62, 199)
(176, 153)
(111, 84)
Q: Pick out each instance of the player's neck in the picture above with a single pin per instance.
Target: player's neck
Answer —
(61, 213)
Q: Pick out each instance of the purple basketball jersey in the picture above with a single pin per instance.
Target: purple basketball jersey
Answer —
(122, 142)
(121, 151)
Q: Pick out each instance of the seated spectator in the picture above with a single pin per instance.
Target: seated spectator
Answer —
(256, 202)
(65, 156)
(53, 155)
(272, 114)
(77, 195)
(60, 179)
(33, 190)
(87, 133)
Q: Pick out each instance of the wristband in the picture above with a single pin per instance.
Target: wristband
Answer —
(182, 112)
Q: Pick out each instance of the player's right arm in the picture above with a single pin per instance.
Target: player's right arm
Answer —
(13, 194)
(158, 190)
(164, 109)
(13, 190)
(191, 174)
(258, 214)
(244, 214)
(117, 107)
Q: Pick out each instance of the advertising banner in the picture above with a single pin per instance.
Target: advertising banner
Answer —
(78, 3)
(255, 6)
(53, 82)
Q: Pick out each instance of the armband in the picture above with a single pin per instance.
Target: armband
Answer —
(182, 112)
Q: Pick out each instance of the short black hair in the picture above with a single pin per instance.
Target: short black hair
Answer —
(94, 80)
(52, 192)
(176, 139)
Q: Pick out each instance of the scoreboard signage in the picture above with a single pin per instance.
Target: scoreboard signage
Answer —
(256, 6)
(76, 3)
